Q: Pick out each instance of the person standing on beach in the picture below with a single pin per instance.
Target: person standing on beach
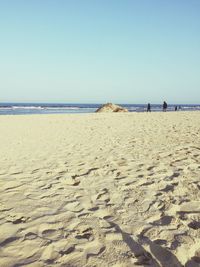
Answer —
(148, 107)
(164, 106)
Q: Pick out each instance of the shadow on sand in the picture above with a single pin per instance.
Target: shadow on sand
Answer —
(159, 256)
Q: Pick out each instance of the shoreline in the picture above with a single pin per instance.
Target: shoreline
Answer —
(89, 113)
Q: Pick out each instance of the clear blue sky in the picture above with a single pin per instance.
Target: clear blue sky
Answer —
(95, 51)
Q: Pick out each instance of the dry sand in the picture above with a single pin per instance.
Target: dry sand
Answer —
(100, 190)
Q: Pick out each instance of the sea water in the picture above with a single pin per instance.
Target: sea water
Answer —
(46, 108)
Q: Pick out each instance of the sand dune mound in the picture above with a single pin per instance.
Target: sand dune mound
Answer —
(109, 107)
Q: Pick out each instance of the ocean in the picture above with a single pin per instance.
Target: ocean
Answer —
(47, 108)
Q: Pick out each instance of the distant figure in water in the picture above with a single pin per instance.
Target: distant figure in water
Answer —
(176, 108)
(148, 107)
(179, 107)
(164, 106)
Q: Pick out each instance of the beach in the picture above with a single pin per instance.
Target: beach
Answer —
(93, 189)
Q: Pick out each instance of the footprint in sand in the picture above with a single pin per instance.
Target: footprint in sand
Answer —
(50, 231)
(74, 206)
(84, 233)
(103, 195)
(70, 181)
(163, 221)
(194, 225)
(16, 219)
(30, 236)
(91, 250)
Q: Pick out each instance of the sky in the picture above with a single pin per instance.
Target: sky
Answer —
(97, 51)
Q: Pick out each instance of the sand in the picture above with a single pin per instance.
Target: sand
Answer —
(114, 190)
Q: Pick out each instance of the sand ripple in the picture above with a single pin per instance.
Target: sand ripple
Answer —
(100, 190)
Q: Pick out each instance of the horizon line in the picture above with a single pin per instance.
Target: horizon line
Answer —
(94, 103)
